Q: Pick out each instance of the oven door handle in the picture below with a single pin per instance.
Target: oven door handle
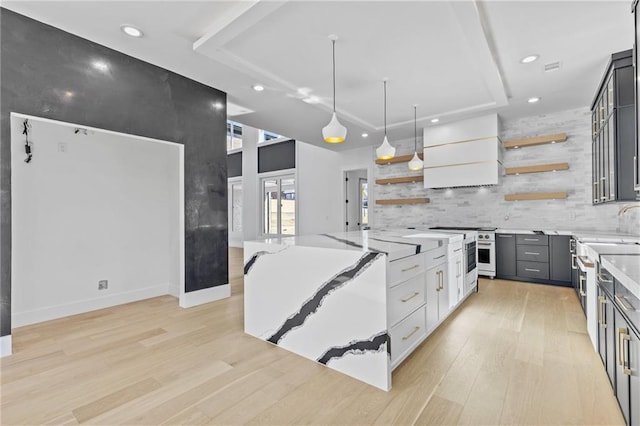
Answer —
(485, 244)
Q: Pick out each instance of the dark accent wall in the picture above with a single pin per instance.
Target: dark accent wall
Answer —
(49, 73)
(277, 156)
(234, 164)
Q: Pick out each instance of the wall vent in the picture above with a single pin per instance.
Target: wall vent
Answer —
(553, 66)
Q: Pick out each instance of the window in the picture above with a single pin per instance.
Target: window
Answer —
(364, 202)
(266, 135)
(234, 135)
(279, 206)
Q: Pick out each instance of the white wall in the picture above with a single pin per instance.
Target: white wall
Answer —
(319, 181)
(100, 206)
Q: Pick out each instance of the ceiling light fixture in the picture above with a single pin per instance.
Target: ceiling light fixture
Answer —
(385, 151)
(131, 31)
(365, 135)
(334, 132)
(435, 120)
(258, 87)
(529, 59)
(533, 100)
(415, 163)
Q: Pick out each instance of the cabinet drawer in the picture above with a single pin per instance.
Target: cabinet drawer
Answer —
(532, 253)
(536, 239)
(402, 269)
(436, 257)
(407, 333)
(404, 298)
(539, 270)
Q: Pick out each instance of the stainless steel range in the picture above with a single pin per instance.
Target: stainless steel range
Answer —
(486, 244)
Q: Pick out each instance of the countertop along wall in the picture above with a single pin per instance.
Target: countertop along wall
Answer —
(485, 206)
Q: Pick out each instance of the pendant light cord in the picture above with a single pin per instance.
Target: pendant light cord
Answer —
(333, 42)
(385, 108)
(415, 129)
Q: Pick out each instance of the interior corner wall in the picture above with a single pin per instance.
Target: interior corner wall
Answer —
(49, 73)
(320, 193)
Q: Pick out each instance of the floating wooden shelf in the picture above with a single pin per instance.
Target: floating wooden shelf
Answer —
(538, 140)
(398, 159)
(404, 201)
(536, 196)
(403, 179)
(536, 169)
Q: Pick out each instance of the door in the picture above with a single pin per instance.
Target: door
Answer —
(505, 255)
(622, 342)
(356, 190)
(560, 258)
(234, 190)
(279, 206)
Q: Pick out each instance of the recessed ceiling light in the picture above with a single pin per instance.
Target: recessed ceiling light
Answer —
(258, 87)
(365, 135)
(131, 31)
(533, 100)
(311, 99)
(529, 59)
(435, 120)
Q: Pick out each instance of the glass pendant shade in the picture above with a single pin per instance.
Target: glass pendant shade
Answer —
(334, 132)
(416, 162)
(385, 151)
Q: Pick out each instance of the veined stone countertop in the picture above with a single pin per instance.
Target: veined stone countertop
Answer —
(621, 260)
(395, 243)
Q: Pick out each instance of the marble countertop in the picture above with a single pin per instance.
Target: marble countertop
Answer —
(395, 243)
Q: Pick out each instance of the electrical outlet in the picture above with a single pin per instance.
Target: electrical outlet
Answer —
(103, 284)
(62, 147)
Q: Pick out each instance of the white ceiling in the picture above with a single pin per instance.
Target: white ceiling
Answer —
(453, 59)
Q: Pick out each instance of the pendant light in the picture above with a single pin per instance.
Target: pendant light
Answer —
(385, 151)
(334, 132)
(415, 163)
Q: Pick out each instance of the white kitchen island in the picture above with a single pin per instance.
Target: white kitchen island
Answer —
(353, 301)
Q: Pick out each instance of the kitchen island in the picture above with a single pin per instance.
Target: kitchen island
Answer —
(353, 301)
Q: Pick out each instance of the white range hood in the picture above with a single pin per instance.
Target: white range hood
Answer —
(464, 153)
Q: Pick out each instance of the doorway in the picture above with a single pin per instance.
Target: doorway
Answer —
(356, 190)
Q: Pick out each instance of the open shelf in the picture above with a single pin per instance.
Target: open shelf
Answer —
(539, 168)
(403, 179)
(536, 196)
(403, 201)
(398, 159)
(538, 140)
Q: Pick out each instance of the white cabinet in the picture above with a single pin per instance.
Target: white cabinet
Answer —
(437, 294)
(456, 273)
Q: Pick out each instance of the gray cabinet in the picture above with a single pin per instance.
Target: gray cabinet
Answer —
(636, 47)
(505, 255)
(613, 125)
(606, 335)
(560, 258)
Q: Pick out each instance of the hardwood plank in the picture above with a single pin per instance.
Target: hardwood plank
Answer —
(114, 399)
(537, 140)
(536, 196)
(401, 179)
(539, 168)
(399, 159)
(403, 201)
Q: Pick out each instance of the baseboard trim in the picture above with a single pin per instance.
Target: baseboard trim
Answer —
(199, 297)
(236, 243)
(5, 346)
(174, 290)
(19, 319)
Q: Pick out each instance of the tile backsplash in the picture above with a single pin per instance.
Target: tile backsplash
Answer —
(485, 206)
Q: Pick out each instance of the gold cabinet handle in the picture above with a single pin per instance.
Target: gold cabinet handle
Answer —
(410, 268)
(603, 278)
(625, 354)
(624, 303)
(604, 319)
(532, 253)
(410, 297)
(574, 265)
(600, 311)
(531, 270)
(415, 329)
(621, 332)
(582, 292)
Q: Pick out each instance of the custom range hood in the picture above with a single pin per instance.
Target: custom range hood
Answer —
(464, 153)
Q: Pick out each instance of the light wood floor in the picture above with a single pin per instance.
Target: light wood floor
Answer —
(514, 353)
